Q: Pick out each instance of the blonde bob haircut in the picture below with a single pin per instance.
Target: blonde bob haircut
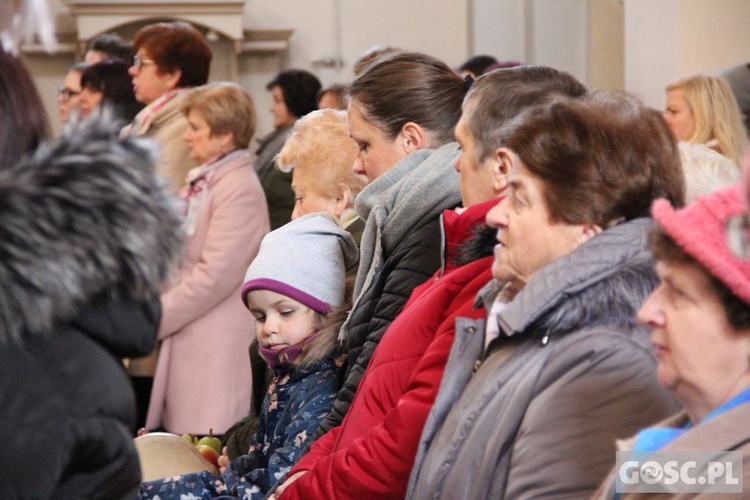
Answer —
(227, 108)
(717, 117)
(321, 149)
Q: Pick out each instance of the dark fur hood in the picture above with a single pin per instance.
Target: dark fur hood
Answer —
(83, 220)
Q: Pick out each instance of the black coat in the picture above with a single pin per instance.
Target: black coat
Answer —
(68, 409)
(87, 237)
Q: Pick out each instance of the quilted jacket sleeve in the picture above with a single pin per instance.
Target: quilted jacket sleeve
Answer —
(409, 265)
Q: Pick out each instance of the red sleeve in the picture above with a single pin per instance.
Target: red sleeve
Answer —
(382, 461)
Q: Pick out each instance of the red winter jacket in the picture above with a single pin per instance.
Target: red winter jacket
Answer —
(371, 454)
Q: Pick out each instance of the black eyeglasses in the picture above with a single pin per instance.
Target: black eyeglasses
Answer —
(138, 61)
(65, 93)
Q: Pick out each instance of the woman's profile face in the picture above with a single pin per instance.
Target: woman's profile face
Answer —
(376, 153)
(702, 359)
(282, 117)
(69, 95)
(528, 239)
(149, 83)
(679, 115)
(308, 198)
(203, 144)
(89, 100)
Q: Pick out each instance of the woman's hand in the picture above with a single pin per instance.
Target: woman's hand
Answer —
(286, 484)
(223, 460)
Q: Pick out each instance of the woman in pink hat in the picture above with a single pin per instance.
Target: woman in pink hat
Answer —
(700, 331)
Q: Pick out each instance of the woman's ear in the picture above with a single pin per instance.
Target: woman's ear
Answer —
(588, 231)
(343, 195)
(173, 78)
(414, 137)
(227, 142)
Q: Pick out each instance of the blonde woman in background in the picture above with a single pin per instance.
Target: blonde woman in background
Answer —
(705, 170)
(702, 109)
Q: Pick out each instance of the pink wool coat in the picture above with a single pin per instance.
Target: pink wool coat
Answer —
(203, 379)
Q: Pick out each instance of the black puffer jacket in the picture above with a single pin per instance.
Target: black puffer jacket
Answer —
(87, 236)
(400, 249)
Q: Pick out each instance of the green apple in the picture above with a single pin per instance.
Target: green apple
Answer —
(211, 441)
(190, 438)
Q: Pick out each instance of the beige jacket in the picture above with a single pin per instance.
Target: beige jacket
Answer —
(725, 432)
(167, 124)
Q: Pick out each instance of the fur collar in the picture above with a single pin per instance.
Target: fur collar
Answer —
(84, 219)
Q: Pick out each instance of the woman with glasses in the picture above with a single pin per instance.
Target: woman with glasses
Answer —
(68, 92)
(170, 58)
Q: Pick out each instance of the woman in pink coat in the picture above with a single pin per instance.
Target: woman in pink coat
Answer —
(203, 379)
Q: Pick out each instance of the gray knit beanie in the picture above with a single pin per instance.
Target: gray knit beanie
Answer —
(306, 260)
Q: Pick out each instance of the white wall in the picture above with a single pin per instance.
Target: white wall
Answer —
(582, 37)
(667, 39)
(437, 27)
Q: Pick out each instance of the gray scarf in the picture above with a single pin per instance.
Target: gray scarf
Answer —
(415, 190)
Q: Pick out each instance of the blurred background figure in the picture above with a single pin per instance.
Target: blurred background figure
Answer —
(23, 121)
(108, 83)
(702, 109)
(738, 77)
(502, 65)
(115, 240)
(475, 66)
(295, 93)
(705, 170)
(203, 377)
(68, 94)
(170, 58)
(109, 46)
(333, 97)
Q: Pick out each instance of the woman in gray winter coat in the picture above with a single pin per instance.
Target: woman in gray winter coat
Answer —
(530, 404)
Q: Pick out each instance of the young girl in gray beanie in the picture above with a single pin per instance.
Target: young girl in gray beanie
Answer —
(293, 284)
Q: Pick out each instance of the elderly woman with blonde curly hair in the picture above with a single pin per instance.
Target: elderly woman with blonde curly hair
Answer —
(702, 109)
(320, 154)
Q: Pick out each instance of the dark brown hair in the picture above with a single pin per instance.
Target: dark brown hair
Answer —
(410, 87)
(666, 249)
(300, 90)
(111, 78)
(113, 46)
(603, 158)
(23, 120)
(176, 46)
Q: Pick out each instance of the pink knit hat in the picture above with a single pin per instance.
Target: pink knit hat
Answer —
(699, 229)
